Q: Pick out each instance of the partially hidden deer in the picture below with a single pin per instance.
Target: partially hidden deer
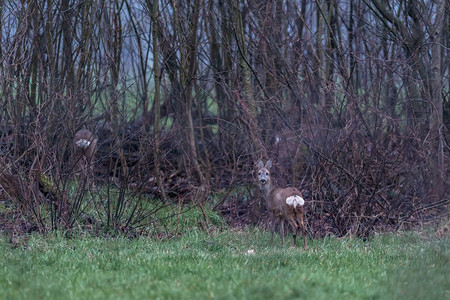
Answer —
(282, 203)
(84, 144)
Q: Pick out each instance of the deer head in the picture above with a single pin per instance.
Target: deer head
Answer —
(85, 144)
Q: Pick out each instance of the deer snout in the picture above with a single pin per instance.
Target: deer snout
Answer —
(262, 180)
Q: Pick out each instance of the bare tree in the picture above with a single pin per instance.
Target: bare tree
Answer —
(350, 98)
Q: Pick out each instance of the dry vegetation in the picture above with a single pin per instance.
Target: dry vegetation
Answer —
(349, 98)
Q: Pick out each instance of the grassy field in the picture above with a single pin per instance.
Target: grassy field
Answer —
(225, 265)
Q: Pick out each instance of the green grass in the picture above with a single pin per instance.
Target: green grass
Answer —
(218, 266)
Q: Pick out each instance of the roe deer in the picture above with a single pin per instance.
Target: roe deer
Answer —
(282, 203)
(84, 144)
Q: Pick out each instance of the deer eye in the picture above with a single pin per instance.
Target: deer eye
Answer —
(259, 173)
(267, 173)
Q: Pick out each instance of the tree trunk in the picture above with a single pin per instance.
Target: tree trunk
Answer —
(157, 101)
(188, 68)
(248, 105)
(436, 118)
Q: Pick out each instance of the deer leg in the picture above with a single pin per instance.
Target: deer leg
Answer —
(303, 229)
(294, 235)
(272, 228)
(282, 232)
(294, 227)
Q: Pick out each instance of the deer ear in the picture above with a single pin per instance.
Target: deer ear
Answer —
(269, 164)
(260, 164)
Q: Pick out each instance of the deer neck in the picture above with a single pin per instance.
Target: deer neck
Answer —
(266, 189)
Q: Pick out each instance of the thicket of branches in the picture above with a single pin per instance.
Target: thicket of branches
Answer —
(349, 98)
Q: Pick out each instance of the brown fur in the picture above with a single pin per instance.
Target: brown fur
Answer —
(83, 157)
(276, 204)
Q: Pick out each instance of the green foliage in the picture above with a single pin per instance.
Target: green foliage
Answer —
(110, 210)
(191, 218)
(227, 264)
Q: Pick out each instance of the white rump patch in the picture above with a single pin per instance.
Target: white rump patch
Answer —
(82, 143)
(295, 200)
(277, 139)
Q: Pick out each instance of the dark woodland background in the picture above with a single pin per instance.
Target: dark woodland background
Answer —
(350, 99)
